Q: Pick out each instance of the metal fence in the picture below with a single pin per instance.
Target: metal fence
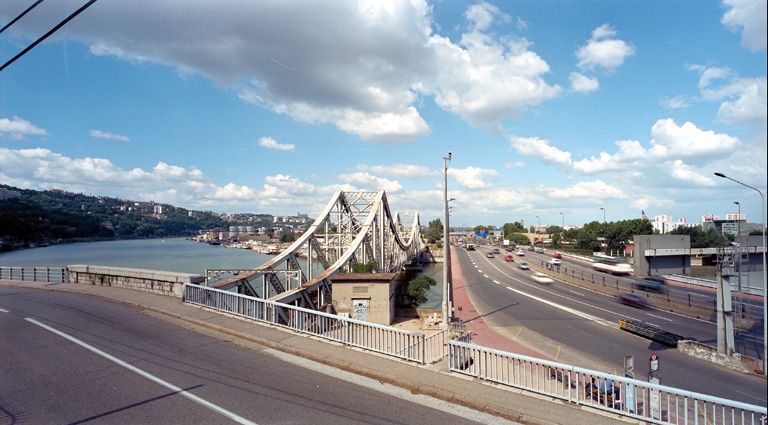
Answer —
(35, 274)
(395, 342)
(629, 397)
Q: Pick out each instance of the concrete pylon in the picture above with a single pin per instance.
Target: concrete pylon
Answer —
(725, 341)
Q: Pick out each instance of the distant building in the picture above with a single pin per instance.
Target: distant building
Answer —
(157, 210)
(8, 194)
(681, 222)
(661, 223)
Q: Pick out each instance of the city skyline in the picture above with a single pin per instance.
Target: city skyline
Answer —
(547, 107)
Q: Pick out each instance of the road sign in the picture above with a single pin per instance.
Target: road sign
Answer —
(653, 378)
(629, 388)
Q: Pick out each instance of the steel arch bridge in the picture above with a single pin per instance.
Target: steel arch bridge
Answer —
(354, 227)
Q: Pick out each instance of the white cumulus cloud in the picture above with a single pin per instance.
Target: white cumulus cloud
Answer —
(580, 83)
(472, 177)
(17, 128)
(604, 50)
(370, 182)
(406, 171)
(541, 149)
(747, 16)
(270, 143)
(593, 189)
(99, 134)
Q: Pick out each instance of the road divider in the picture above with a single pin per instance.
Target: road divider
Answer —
(654, 333)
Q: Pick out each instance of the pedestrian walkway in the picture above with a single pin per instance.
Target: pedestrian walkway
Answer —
(435, 381)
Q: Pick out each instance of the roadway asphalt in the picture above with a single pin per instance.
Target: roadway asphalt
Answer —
(47, 378)
(748, 335)
(578, 326)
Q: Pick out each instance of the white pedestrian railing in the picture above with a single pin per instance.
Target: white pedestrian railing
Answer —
(387, 340)
(629, 397)
(34, 274)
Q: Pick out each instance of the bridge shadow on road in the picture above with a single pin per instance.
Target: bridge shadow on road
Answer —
(480, 316)
(131, 406)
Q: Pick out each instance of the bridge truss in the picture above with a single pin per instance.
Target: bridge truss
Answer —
(354, 228)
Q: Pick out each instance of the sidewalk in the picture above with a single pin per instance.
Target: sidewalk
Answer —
(509, 403)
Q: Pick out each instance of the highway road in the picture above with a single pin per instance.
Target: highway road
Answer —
(578, 326)
(69, 358)
(749, 327)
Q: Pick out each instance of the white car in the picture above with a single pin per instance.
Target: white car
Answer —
(520, 253)
(541, 278)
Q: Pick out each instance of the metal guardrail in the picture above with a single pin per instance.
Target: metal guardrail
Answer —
(651, 332)
(387, 340)
(35, 274)
(617, 394)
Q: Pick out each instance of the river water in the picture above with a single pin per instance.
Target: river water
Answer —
(176, 255)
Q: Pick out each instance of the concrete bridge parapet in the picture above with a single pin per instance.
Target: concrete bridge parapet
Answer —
(155, 281)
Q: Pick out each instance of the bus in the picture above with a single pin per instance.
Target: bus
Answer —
(612, 266)
(470, 247)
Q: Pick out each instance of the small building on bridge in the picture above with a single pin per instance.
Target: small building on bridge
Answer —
(365, 296)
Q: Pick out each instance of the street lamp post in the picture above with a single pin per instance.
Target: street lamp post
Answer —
(765, 281)
(603, 214)
(538, 224)
(563, 214)
(738, 219)
(446, 248)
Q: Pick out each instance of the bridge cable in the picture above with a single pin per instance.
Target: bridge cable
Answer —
(20, 16)
(48, 34)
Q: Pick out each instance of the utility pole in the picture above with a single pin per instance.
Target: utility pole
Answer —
(447, 308)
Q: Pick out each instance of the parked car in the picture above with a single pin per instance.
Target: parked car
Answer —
(489, 255)
(523, 266)
(557, 255)
(541, 278)
(509, 258)
(649, 285)
(633, 300)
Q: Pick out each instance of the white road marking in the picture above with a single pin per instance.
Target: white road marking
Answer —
(486, 276)
(196, 399)
(389, 389)
(2, 310)
(595, 319)
(496, 282)
(659, 317)
(562, 307)
(574, 292)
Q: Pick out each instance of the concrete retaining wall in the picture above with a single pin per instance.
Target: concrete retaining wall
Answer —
(735, 361)
(155, 281)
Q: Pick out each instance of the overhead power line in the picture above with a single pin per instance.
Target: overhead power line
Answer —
(48, 34)
(20, 16)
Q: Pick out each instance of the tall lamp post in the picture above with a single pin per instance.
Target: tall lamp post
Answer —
(446, 248)
(765, 282)
(563, 214)
(603, 214)
(738, 219)
(538, 224)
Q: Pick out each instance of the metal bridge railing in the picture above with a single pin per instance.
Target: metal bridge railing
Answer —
(34, 274)
(618, 394)
(387, 340)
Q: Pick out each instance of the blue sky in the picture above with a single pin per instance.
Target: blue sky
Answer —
(547, 106)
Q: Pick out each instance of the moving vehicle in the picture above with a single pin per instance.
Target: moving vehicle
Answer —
(557, 255)
(540, 250)
(649, 285)
(541, 278)
(633, 300)
(489, 255)
(612, 267)
(509, 258)
(553, 263)
(496, 251)
(520, 253)
(523, 266)
(470, 247)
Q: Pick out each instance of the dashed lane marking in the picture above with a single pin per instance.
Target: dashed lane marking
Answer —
(486, 276)
(496, 282)
(659, 317)
(2, 310)
(590, 317)
(153, 378)
(574, 292)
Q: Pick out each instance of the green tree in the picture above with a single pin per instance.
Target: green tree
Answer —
(416, 291)
(287, 237)
(509, 228)
(434, 232)
(368, 267)
(519, 239)
(701, 238)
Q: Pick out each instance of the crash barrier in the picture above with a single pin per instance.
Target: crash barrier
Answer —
(35, 274)
(654, 333)
(617, 394)
(400, 343)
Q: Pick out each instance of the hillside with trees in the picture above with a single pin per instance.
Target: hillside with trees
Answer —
(30, 217)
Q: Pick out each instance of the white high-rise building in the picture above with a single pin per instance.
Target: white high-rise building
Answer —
(661, 223)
